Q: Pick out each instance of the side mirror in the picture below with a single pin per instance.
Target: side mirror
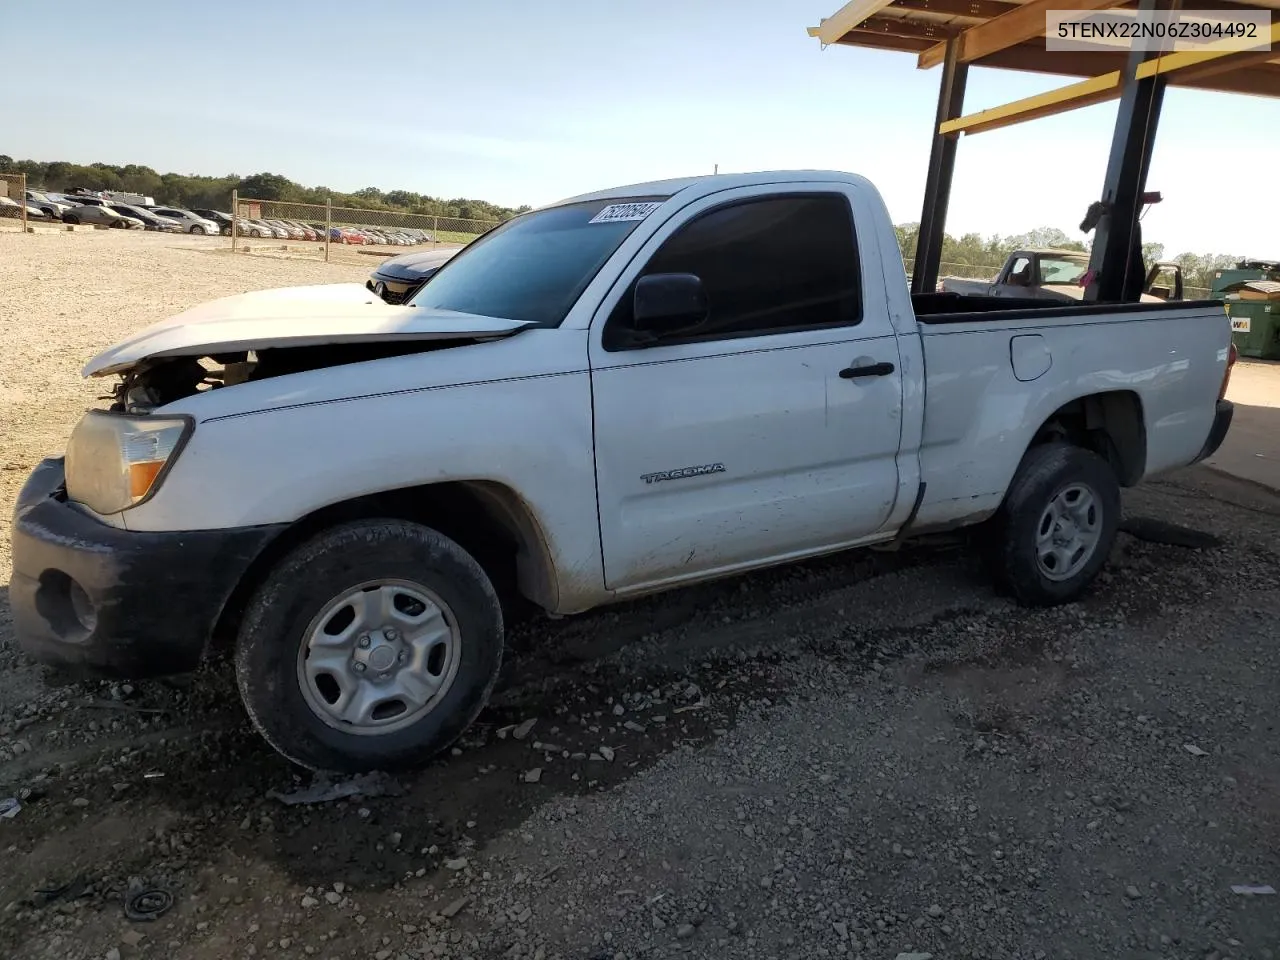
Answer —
(668, 303)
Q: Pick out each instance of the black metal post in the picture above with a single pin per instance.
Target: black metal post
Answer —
(1116, 259)
(942, 163)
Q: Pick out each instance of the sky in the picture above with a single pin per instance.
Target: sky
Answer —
(516, 102)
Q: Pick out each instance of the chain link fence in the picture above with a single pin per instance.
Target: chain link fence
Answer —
(13, 202)
(966, 271)
(329, 227)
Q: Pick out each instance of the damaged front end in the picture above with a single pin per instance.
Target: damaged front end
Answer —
(270, 333)
(157, 382)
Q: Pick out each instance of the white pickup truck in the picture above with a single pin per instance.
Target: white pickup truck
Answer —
(621, 393)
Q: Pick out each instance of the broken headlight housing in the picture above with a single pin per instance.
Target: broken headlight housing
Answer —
(115, 462)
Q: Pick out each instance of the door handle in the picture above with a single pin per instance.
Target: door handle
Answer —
(882, 369)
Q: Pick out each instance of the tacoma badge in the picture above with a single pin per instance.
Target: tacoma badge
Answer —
(682, 473)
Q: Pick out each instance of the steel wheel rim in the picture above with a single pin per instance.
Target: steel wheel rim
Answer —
(1068, 533)
(378, 657)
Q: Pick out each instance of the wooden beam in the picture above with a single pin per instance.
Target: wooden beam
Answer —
(1254, 82)
(902, 27)
(1221, 65)
(884, 41)
(1031, 58)
(969, 9)
(1007, 30)
(1071, 97)
(834, 27)
(1184, 59)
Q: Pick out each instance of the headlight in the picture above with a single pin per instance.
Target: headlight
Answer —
(115, 462)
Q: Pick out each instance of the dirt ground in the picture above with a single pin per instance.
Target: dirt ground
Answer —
(870, 756)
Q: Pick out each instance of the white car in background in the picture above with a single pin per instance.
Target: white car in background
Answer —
(188, 222)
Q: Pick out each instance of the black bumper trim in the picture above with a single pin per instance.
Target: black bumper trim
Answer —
(100, 601)
(1218, 432)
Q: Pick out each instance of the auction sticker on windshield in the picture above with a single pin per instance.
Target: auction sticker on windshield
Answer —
(618, 212)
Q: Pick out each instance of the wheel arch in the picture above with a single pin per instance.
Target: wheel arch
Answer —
(487, 519)
(1111, 424)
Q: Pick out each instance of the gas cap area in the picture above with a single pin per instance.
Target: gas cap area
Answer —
(1029, 354)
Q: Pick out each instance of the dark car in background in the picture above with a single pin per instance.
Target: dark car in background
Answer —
(150, 221)
(398, 279)
(223, 220)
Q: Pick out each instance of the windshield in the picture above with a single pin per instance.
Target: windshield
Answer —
(1062, 270)
(535, 267)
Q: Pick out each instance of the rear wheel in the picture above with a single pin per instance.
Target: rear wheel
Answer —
(1056, 528)
(372, 646)
(70, 218)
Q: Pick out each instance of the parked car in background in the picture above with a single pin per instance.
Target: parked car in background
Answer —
(1045, 274)
(100, 215)
(223, 220)
(79, 199)
(307, 232)
(188, 222)
(284, 231)
(396, 280)
(150, 221)
(51, 208)
(254, 228)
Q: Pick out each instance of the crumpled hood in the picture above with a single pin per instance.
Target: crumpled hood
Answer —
(291, 317)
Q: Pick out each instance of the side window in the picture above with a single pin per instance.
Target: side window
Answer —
(1020, 272)
(768, 266)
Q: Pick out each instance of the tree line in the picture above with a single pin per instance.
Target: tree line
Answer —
(214, 193)
(973, 250)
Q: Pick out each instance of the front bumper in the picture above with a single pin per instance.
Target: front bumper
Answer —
(101, 601)
(1218, 432)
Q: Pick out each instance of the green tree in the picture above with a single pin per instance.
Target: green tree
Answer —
(268, 186)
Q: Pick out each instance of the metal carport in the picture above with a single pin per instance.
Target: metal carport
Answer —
(1009, 34)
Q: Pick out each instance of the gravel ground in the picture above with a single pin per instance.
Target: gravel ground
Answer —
(867, 756)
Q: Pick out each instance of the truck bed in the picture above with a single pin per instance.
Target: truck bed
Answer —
(1164, 362)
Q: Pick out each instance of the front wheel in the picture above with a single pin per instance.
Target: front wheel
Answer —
(1056, 528)
(372, 646)
(197, 229)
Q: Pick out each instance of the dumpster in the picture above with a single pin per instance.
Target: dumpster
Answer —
(1254, 309)
(1244, 270)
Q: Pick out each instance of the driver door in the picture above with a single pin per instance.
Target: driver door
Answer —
(771, 430)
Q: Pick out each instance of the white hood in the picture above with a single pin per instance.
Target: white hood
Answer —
(291, 317)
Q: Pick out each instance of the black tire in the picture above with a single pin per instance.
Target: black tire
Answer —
(1011, 538)
(297, 590)
(70, 218)
(198, 229)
